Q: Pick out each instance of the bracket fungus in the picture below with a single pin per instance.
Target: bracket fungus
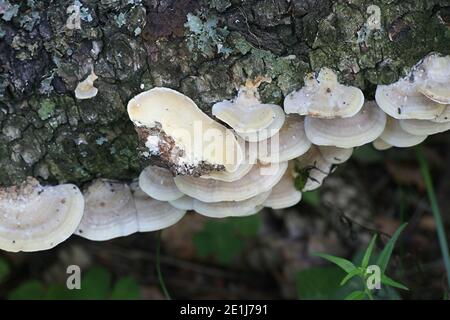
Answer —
(396, 136)
(284, 194)
(158, 183)
(422, 94)
(335, 155)
(324, 97)
(245, 113)
(34, 217)
(362, 128)
(109, 211)
(85, 89)
(289, 143)
(259, 179)
(423, 127)
(312, 168)
(153, 214)
(115, 209)
(179, 136)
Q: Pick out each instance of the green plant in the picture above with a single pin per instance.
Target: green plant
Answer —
(435, 210)
(361, 271)
(4, 269)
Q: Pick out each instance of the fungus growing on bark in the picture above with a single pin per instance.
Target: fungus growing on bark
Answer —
(158, 183)
(289, 143)
(284, 194)
(362, 128)
(179, 136)
(258, 180)
(35, 217)
(85, 89)
(312, 169)
(335, 155)
(324, 97)
(396, 136)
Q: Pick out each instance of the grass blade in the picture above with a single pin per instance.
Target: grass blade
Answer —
(344, 264)
(368, 253)
(389, 282)
(356, 295)
(435, 210)
(385, 255)
(158, 267)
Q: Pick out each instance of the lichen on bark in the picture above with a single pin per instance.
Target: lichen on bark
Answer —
(48, 47)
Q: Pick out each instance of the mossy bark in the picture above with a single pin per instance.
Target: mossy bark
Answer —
(201, 48)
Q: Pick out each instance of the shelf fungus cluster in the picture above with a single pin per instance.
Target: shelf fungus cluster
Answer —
(247, 156)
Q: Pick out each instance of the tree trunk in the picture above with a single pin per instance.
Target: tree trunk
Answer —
(204, 49)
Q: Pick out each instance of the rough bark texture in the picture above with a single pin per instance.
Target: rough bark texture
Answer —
(201, 48)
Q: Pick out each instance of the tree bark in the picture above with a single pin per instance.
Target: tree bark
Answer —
(204, 49)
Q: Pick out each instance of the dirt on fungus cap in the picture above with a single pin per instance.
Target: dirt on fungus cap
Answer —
(324, 97)
(260, 179)
(362, 128)
(184, 142)
(158, 183)
(34, 217)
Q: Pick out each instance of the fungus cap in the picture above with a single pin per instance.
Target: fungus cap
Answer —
(158, 183)
(324, 97)
(109, 211)
(289, 143)
(335, 155)
(153, 214)
(261, 178)
(224, 209)
(313, 167)
(33, 217)
(246, 113)
(394, 135)
(424, 127)
(437, 84)
(284, 194)
(362, 128)
(85, 89)
(274, 127)
(180, 135)
(381, 145)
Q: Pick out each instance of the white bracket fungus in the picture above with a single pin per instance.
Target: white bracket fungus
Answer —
(180, 136)
(396, 136)
(33, 217)
(85, 89)
(284, 194)
(289, 143)
(422, 94)
(260, 179)
(158, 183)
(335, 155)
(249, 118)
(315, 167)
(114, 209)
(324, 97)
(362, 128)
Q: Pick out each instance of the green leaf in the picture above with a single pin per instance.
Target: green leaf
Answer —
(356, 295)
(385, 255)
(368, 254)
(350, 275)
(30, 290)
(345, 264)
(95, 284)
(318, 283)
(4, 269)
(126, 289)
(389, 282)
